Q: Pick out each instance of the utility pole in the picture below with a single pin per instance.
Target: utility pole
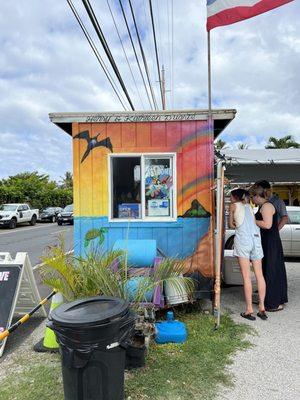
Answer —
(163, 88)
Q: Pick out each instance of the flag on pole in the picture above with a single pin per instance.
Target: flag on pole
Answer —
(226, 12)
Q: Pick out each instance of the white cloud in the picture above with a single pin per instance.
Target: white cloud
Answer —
(46, 65)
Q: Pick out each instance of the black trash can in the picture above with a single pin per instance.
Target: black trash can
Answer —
(93, 334)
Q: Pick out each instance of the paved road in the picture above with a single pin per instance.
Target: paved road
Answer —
(34, 239)
(271, 369)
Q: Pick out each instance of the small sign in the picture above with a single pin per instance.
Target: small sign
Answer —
(18, 290)
(158, 208)
(9, 282)
(129, 210)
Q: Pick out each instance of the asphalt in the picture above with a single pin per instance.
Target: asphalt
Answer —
(34, 240)
(270, 370)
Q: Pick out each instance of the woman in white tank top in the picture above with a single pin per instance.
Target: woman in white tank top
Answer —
(247, 248)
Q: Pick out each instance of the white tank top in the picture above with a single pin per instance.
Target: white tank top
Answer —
(239, 214)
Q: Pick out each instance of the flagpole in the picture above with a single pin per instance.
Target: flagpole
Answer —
(219, 201)
(209, 74)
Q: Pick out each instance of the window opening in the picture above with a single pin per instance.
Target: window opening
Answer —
(142, 187)
(126, 187)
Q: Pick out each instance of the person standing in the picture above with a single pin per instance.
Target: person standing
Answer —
(273, 261)
(247, 247)
(282, 216)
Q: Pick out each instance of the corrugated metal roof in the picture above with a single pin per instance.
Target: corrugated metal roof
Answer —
(262, 156)
(276, 166)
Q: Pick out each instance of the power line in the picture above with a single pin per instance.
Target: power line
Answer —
(95, 50)
(143, 56)
(151, 48)
(133, 46)
(124, 51)
(106, 48)
(156, 54)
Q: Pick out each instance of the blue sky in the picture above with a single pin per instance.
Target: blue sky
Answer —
(46, 65)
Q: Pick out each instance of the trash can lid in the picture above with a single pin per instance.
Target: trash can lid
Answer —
(90, 311)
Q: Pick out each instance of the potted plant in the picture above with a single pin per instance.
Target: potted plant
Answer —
(106, 273)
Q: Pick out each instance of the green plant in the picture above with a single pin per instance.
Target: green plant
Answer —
(106, 273)
(285, 142)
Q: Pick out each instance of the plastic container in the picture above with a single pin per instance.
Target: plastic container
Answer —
(93, 334)
(132, 288)
(231, 271)
(135, 356)
(175, 295)
(140, 252)
(170, 331)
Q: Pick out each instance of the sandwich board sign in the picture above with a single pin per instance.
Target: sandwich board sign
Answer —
(18, 290)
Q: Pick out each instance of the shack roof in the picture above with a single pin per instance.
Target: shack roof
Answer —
(280, 166)
(221, 118)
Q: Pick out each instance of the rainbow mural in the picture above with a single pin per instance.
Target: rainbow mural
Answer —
(190, 235)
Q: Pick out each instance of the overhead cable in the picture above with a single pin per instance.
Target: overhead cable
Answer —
(143, 56)
(151, 49)
(124, 51)
(133, 46)
(156, 54)
(96, 52)
(106, 48)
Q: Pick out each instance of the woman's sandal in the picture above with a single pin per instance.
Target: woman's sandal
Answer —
(250, 317)
(279, 308)
(262, 315)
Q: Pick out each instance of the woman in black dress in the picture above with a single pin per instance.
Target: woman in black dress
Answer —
(273, 261)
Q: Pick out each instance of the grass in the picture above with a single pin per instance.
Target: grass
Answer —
(192, 370)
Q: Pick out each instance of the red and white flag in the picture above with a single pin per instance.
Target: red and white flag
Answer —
(226, 12)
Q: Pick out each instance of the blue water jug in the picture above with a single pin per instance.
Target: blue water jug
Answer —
(170, 331)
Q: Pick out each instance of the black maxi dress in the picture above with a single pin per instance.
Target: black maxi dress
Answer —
(273, 264)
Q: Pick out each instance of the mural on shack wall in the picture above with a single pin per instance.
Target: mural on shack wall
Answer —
(190, 237)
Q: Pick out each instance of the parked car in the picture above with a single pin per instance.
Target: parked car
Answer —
(290, 234)
(66, 216)
(50, 214)
(13, 214)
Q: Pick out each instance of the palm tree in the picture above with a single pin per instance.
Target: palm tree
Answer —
(67, 180)
(285, 142)
(220, 145)
(242, 146)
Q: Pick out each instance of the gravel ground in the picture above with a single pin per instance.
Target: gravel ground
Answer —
(16, 350)
(270, 370)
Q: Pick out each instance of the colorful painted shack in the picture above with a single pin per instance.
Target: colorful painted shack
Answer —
(141, 175)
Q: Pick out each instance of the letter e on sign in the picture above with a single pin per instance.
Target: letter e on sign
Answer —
(4, 275)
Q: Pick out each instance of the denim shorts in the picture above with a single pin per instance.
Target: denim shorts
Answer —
(251, 248)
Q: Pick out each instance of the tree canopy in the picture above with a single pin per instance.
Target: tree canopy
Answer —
(220, 144)
(36, 189)
(285, 142)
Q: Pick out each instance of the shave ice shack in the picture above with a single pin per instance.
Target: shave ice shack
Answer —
(147, 176)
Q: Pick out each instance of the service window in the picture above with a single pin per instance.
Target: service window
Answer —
(142, 187)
